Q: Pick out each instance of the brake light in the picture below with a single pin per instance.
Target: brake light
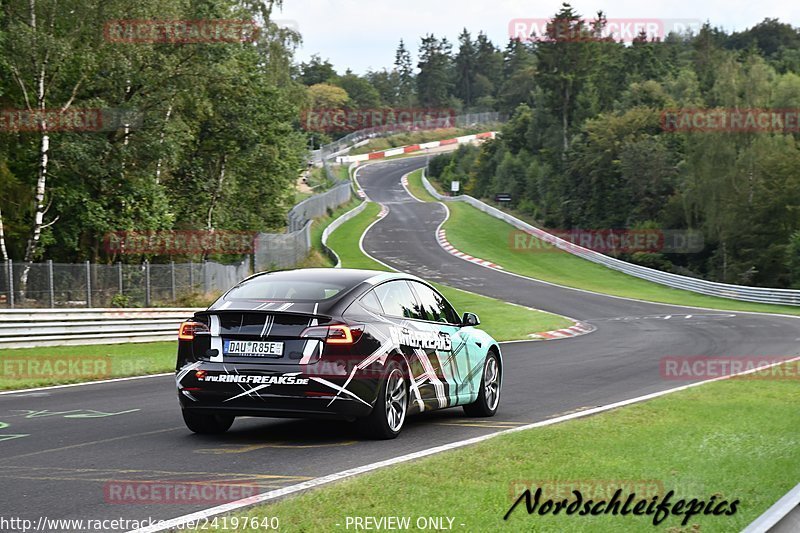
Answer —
(338, 334)
(189, 329)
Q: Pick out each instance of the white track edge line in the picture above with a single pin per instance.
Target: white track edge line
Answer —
(97, 382)
(324, 480)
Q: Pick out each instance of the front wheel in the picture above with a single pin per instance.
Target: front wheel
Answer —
(387, 417)
(207, 424)
(489, 394)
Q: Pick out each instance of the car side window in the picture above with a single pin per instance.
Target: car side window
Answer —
(397, 300)
(434, 306)
(371, 302)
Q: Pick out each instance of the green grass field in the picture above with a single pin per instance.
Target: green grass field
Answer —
(502, 320)
(734, 440)
(37, 367)
(476, 233)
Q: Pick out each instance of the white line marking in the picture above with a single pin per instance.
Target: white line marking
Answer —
(324, 480)
(51, 387)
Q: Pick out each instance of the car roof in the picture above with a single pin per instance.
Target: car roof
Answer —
(351, 279)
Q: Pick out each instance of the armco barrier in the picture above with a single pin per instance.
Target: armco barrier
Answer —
(783, 517)
(400, 150)
(335, 224)
(25, 328)
(710, 288)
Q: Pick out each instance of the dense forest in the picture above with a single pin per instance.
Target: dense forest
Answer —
(212, 135)
(208, 137)
(585, 146)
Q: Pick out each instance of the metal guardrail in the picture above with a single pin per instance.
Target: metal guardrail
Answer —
(26, 328)
(334, 225)
(461, 121)
(783, 517)
(676, 281)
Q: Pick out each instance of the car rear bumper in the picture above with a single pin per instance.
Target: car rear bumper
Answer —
(273, 391)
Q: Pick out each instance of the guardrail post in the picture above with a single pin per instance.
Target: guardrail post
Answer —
(52, 293)
(11, 283)
(172, 278)
(146, 283)
(88, 284)
(191, 277)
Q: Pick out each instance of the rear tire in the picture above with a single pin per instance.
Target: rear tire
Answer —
(207, 424)
(388, 416)
(489, 394)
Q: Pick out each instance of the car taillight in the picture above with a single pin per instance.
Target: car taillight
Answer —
(190, 328)
(338, 334)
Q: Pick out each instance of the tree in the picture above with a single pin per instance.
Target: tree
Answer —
(317, 71)
(325, 96)
(488, 66)
(51, 53)
(405, 72)
(519, 77)
(360, 91)
(386, 82)
(466, 68)
(434, 80)
(564, 60)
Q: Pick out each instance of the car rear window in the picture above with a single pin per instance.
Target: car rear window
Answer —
(287, 290)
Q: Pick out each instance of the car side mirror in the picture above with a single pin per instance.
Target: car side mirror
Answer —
(470, 319)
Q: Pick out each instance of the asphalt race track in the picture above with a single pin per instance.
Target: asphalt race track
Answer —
(71, 442)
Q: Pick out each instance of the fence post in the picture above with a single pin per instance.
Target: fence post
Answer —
(205, 276)
(88, 285)
(172, 276)
(11, 283)
(119, 277)
(191, 277)
(50, 283)
(146, 283)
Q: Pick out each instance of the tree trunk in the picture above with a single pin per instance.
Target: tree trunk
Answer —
(3, 251)
(215, 198)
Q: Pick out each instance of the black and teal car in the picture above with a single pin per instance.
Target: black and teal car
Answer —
(372, 347)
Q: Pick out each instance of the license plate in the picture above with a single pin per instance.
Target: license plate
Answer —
(253, 348)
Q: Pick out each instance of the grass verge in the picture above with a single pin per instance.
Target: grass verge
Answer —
(317, 258)
(476, 233)
(502, 320)
(737, 440)
(24, 368)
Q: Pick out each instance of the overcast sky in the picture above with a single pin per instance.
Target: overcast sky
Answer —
(363, 34)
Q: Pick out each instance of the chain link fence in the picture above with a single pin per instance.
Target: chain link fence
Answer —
(54, 285)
